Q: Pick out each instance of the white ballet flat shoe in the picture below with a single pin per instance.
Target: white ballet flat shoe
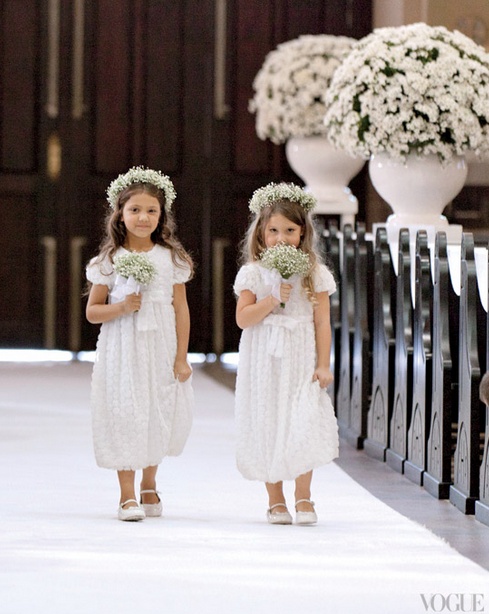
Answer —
(152, 509)
(279, 517)
(305, 517)
(132, 514)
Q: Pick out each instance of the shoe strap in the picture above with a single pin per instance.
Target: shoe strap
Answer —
(305, 501)
(279, 505)
(150, 491)
(130, 501)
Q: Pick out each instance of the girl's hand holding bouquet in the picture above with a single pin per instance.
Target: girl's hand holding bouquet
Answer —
(133, 271)
(284, 260)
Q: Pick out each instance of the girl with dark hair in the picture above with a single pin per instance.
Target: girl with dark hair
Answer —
(141, 392)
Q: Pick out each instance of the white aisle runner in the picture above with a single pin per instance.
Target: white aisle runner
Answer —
(62, 550)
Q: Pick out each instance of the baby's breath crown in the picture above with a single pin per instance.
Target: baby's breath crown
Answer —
(139, 174)
(273, 192)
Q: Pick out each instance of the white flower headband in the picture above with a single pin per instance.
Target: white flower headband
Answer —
(273, 192)
(139, 174)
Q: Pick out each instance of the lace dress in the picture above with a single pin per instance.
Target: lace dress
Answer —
(285, 422)
(140, 413)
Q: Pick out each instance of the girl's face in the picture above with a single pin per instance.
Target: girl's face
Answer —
(141, 215)
(279, 229)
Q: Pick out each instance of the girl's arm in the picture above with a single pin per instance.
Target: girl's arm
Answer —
(322, 326)
(181, 368)
(249, 311)
(99, 311)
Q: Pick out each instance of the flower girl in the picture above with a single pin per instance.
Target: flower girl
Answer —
(285, 420)
(141, 408)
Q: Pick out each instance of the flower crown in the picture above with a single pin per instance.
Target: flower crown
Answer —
(273, 192)
(139, 174)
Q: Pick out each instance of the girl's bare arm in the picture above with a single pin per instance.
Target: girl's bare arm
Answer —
(249, 311)
(322, 326)
(182, 369)
(99, 311)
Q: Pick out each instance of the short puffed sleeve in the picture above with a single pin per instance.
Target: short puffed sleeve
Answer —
(181, 271)
(323, 280)
(248, 278)
(101, 272)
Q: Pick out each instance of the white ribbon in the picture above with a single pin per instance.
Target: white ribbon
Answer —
(122, 287)
(145, 317)
(279, 324)
(272, 278)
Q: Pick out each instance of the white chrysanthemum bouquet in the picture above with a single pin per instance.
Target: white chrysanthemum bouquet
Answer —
(291, 85)
(136, 266)
(411, 89)
(287, 260)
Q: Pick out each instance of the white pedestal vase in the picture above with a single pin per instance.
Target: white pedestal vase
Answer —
(326, 171)
(417, 191)
(478, 173)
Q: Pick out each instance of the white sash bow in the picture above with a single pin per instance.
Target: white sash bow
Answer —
(145, 317)
(278, 326)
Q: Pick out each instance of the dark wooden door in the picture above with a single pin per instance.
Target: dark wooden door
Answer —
(88, 89)
(242, 162)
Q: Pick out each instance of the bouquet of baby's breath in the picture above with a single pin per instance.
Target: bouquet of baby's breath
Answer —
(287, 260)
(137, 266)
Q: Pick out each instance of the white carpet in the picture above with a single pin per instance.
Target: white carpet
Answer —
(62, 550)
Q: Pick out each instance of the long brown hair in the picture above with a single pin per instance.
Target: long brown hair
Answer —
(253, 243)
(164, 234)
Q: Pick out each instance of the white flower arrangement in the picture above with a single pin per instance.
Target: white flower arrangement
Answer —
(291, 85)
(411, 89)
(139, 174)
(137, 266)
(273, 192)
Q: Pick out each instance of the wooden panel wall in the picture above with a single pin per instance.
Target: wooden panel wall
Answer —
(19, 116)
(148, 98)
(113, 86)
(19, 67)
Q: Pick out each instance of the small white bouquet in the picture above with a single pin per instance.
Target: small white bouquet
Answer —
(133, 271)
(286, 260)
(137, 266)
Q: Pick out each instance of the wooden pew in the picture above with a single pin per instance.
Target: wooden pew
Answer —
(362, 339)
(347, 309)
(482, 505)
(331, 252)
(383, 345)
(444, 403)
(415, 464)
(465, 488)
(403, 387)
